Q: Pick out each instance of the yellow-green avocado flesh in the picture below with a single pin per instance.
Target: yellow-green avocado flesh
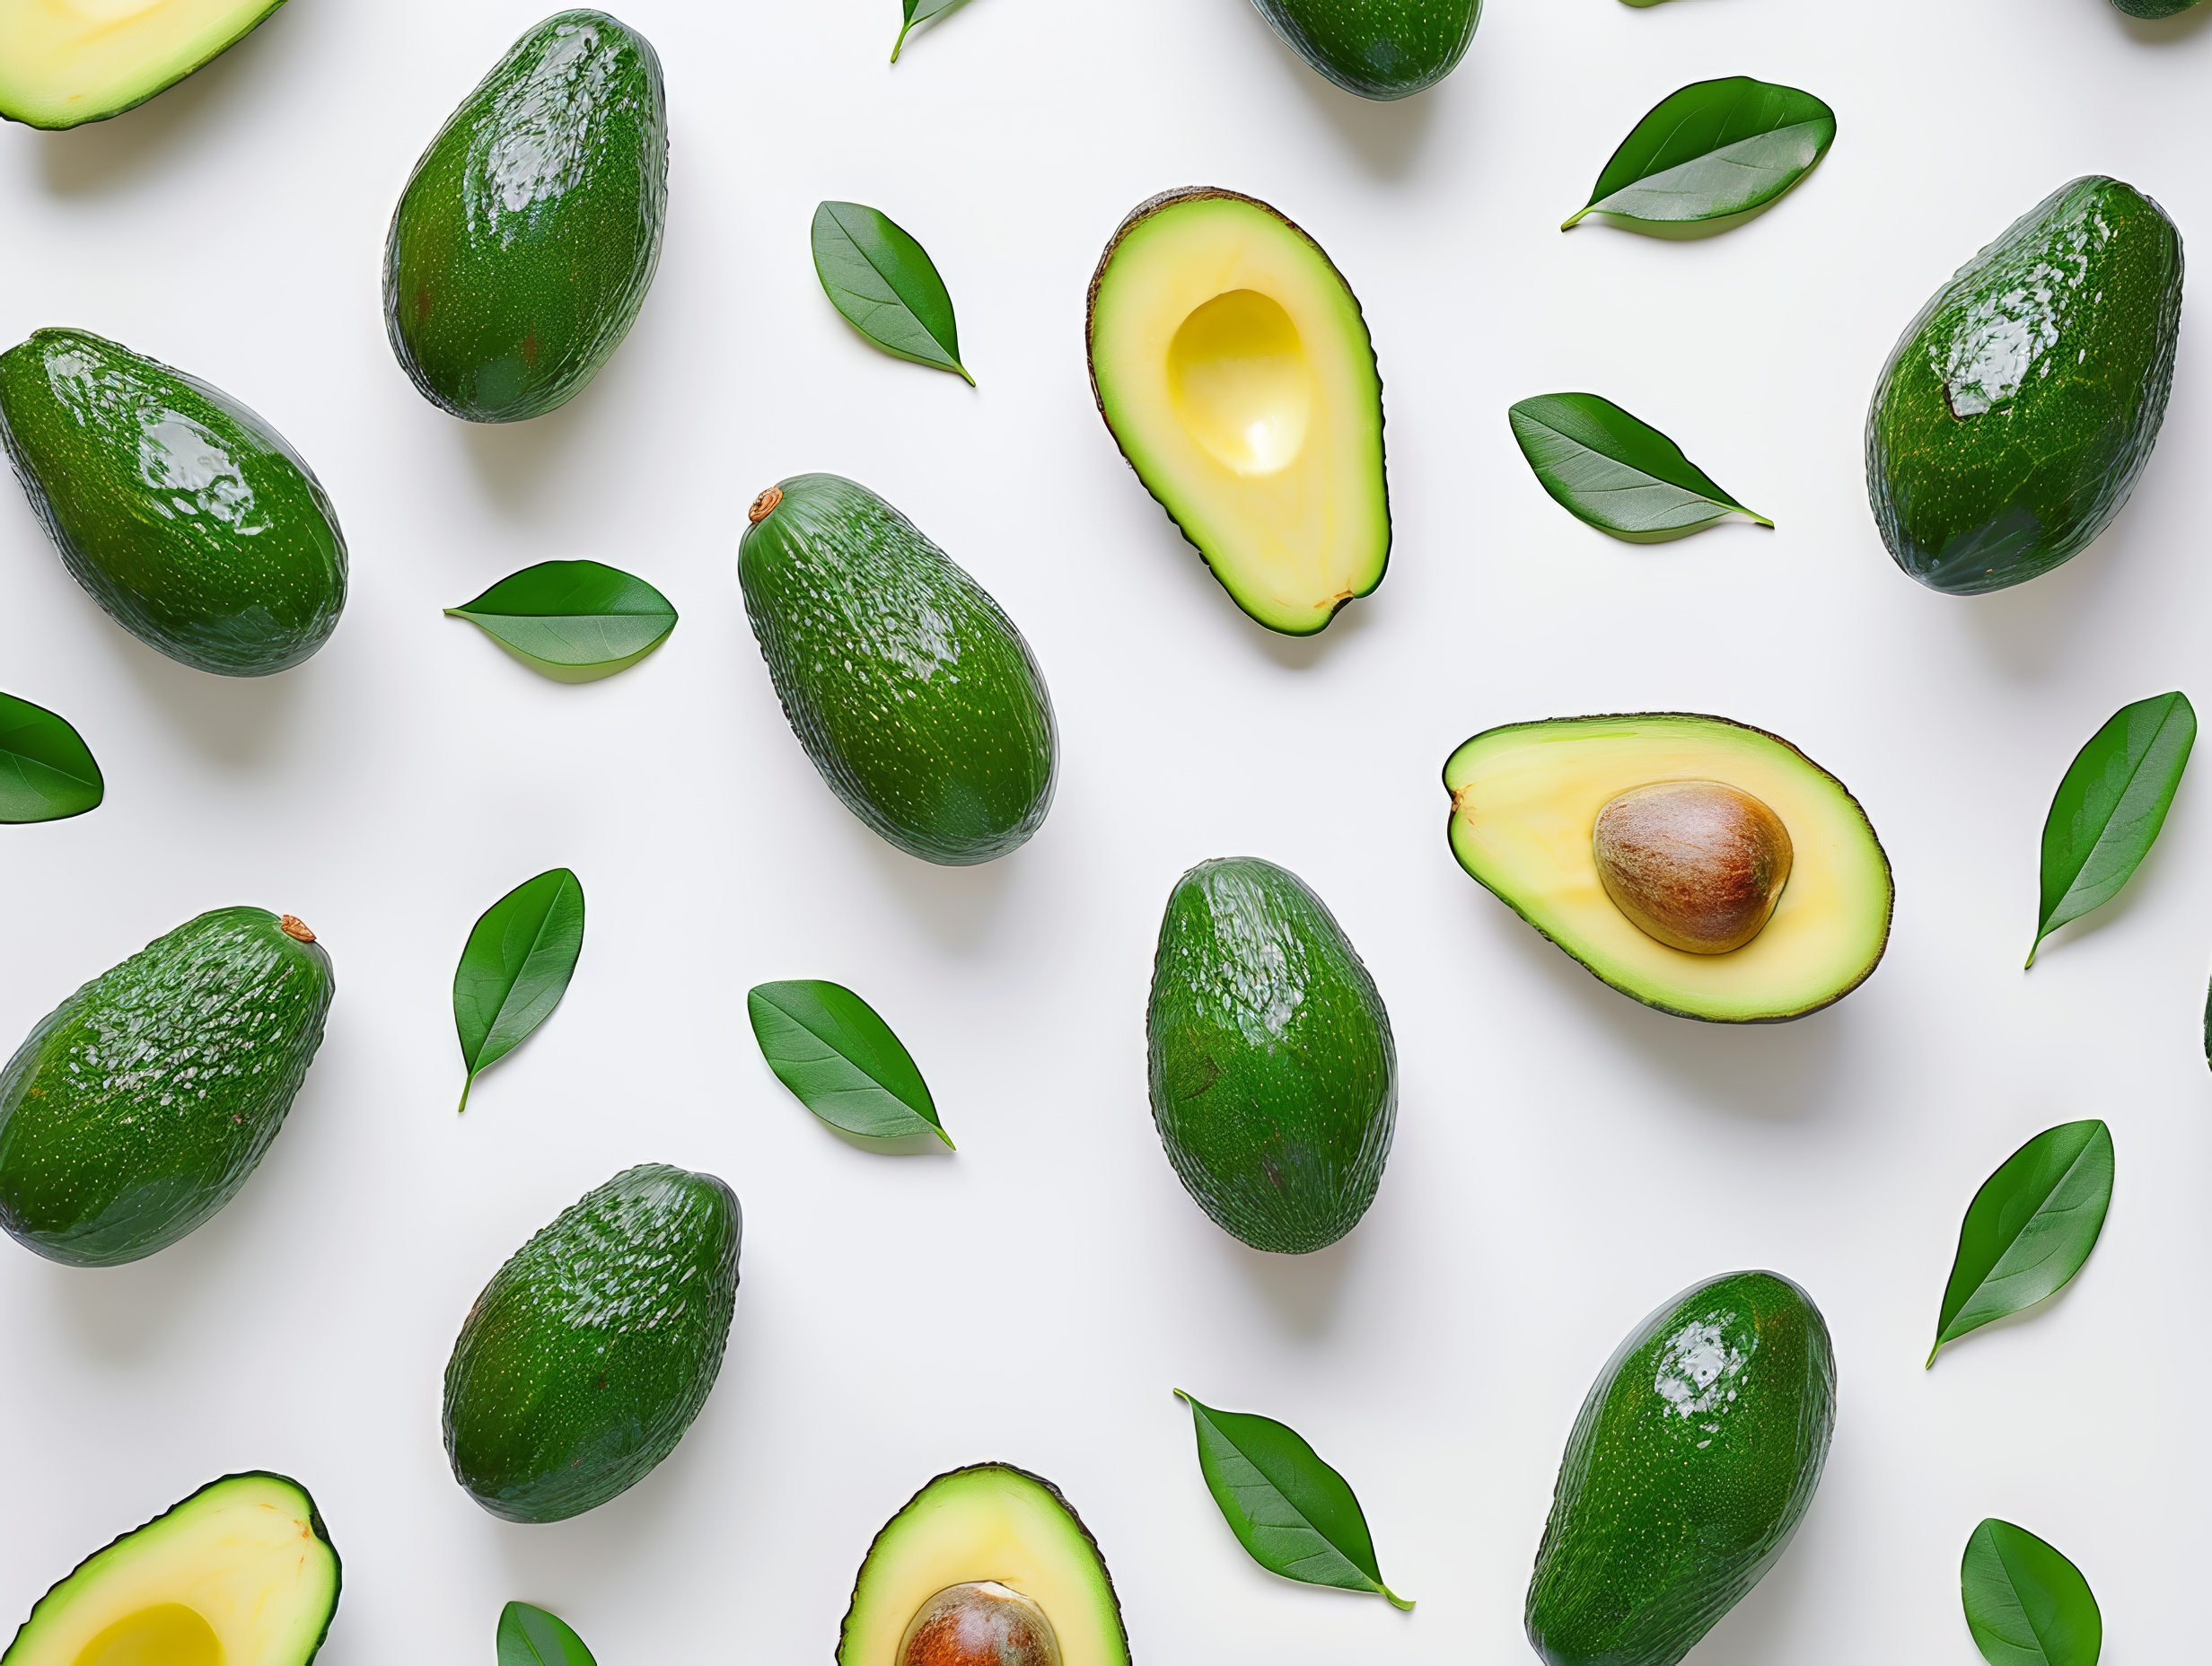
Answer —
(64, 63)
(1525, 798)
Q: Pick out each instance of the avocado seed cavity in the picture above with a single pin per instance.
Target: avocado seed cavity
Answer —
(1696, 864)
(981, 1623)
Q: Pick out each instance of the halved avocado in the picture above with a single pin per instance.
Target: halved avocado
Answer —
(1232, 366)
(1001, 1547)
(241, 1573)
(64, 63)
(1525, 800)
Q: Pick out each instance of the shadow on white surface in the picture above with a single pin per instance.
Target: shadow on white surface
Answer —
(2162, 30)
(1386, 135)
(958, 907)
(1303, 1292)
(235, 721)
(107, 154)
(2031, 630)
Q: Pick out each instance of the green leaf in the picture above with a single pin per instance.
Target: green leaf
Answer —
(47, 772)
(515, 968)
(1617, 472)
(2108, 810)
(884, 283)
(1714, 151)
(530, 1637)
(576, 621)
(1294, 1514)
(2029, 1229)
(2025, 1603)
(920, 11)
(829, 1046)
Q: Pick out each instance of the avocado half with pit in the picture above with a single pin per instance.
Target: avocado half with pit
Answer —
(1704, 867)
(64, 63)
(1232, 366)
(987, 1565)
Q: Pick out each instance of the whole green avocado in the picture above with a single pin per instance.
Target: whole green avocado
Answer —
(527, 238)
(1377, 48)
(590, 1351)
(188, 519)
(1694, 1459)
(907, 686)
(136, 1108)
(1273, 1075)
(2015, 416)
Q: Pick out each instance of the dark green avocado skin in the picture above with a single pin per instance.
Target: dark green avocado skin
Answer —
(525, 243)
(2013, 419)
(1377, 48)
(907, 686)
(139, 1106)
(188, 519)
(1273, 1075)
(2154, 8)
(591, 1350)
(1694, 1459)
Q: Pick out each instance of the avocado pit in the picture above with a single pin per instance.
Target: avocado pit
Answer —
(1698, 866)
(979, 1624)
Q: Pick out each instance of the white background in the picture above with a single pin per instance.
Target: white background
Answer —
(1566, 1159)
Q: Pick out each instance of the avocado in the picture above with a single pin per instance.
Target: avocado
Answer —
(591, 1350)
(1232, 366)
(1377, 48)
(910, 689)
(242, 1572)
(1749, 889)
(2154, 8)
(1274, 1078)
(1692, 1461)
(138, 1108)
(527, 234)
(2013, 417)
(191, 521)
(64, 66)
(984, 1564)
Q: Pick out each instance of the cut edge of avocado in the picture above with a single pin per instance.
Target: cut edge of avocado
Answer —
(173, 56)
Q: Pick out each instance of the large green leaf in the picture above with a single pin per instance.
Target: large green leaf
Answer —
(576, 621)
(47, 772)
(830, 1047)
(2025, 1603)
(886, 285)
(515, 968)
(530, 1637)
(1712, 151)
(1616, 471)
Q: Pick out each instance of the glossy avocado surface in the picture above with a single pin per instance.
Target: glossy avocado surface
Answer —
(2013, 420)
(190, 519)
(1377, 48)
(528, 236)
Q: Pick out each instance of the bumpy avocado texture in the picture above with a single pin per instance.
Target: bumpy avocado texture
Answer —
(64, 65)
(1377, 48)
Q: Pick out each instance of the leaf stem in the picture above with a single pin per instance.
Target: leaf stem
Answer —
(947, 1138)
(1402, 1604)
(962, 369)
(1932, 1353)
(1575, 219)
(464, 1093)
(901, 41)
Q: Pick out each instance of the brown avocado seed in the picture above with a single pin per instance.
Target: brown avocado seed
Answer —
(982, 1624)
(1696, 864)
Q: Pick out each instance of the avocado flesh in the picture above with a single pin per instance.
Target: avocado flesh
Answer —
(1377, 48)
(2016, 414)
(140, 1105)
(1525, 799)
(64, 63)
(241, 1573)
(1694, 1457)
(1233, 369)
(987, 1523)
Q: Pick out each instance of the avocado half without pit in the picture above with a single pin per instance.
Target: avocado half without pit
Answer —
(64, 63)
(1702, 866)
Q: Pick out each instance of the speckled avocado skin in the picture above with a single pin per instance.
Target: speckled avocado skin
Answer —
(907, 686)
(1377, 48)
(138, 1107)
(2015, 416)
(2154, 8)
(1694, 1459)
(1273, 1075)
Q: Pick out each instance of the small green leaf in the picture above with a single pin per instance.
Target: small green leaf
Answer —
(576, 621)
(1294, 1514)
(829, 1046)
(1714, 151)
(47, 772)
(920, 11)
(884, 284)
(2029, 1229)
(530, 1637)
(1617, 472)
(2108, 810)
(2025, 1603)
(515, 968)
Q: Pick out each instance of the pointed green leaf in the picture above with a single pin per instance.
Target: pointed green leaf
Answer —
(2108, 810)
(2029, 1229)
(1294, 1514)
(47, 772)
(576, 621)
(884, 284)
(920, 11)
(1617, 472)
(530, 1637)
(515, 968)
(830, 1047)
(2025, 1603)
(1712, 151)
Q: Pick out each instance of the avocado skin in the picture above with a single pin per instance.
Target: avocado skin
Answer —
(1273, 1075)
(1377, 48)
(2154, 8)
(590, 1351)
(190, 519)
(138, 1108)
(529, 233)
(907, 686)
(1978, 482)
(1682, 1483)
